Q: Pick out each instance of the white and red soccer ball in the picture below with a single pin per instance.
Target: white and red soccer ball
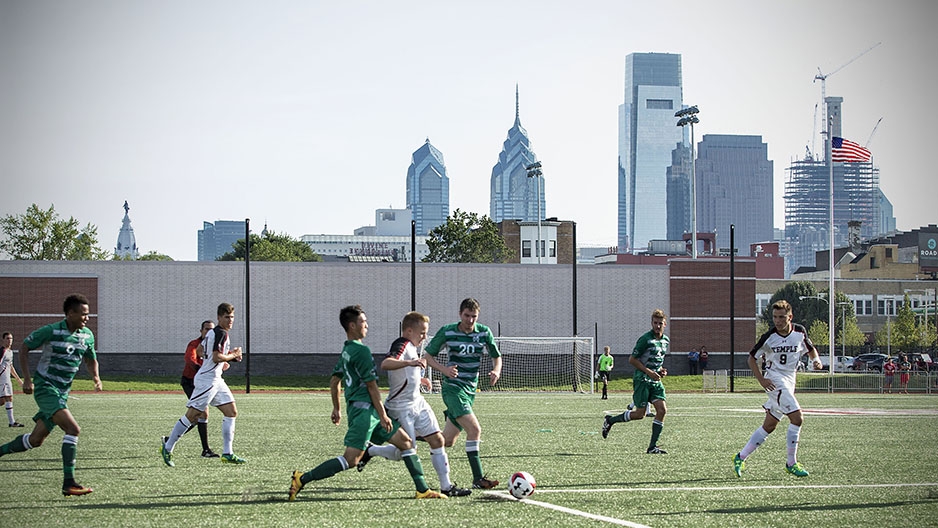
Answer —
(521, 485)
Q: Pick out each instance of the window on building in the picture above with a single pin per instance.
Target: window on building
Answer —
(553, 248)
(659, 104)
(526, 249)
(888, 305)
(762, 302)
(889, 253)
(387, 215)
(862, 304)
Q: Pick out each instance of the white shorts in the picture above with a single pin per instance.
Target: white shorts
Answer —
(6, 389)
(417, 420)
(216, 394)
(781, 402)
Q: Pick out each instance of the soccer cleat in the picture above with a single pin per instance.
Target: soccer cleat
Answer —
(630, 406)
(167, 455)
(232, 459)
(797, 470)
(607, 425)
(430, 494)
(484, 483)
(738, 465)
(75, 489)
(656, 451)
(208, 453)
(295, 485)
(455, 491)
(366, 456)
(16, 424)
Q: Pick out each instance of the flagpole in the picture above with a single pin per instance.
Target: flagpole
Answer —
(831, 296)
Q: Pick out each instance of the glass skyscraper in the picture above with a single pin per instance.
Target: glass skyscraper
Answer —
(514, 196)
(217, 239)
(734, 186)
(647, 135)
(427, 189)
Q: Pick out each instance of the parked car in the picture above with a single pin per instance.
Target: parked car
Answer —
(921, 362)
(868, 362)
(841, 363)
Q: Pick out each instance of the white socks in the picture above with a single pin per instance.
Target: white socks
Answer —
(227, 434)
(755, 441)
(794, 433)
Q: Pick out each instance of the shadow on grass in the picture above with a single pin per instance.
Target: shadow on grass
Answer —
(788, 508)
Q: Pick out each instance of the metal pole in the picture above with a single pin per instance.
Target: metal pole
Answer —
(539, 251)
(413, 266)
(732, 299)
(693, 196)
(247, 305)
(574, 280)
(830, 262)
(843, 330)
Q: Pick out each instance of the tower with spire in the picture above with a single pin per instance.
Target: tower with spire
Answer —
(427, 188)
(514, 196)
(126, 241)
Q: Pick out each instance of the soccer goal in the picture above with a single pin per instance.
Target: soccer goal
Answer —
(716, 380)
(548, 364)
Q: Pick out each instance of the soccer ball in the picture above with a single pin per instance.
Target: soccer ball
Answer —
(521, 485)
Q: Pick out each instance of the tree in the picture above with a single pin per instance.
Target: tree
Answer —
(467, 237)
(761, 328)
(904, 334)
(153, 255)
(273, 247)
(804, 312)
(42, 235)
(818, 333)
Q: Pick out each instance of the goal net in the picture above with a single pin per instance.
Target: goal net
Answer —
(555, 364)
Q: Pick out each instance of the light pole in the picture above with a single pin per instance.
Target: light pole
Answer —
(843, 318)
(534, 171)
(688, 116)
(925, 294)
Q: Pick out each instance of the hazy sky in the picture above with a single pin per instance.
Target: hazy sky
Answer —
(305, 114)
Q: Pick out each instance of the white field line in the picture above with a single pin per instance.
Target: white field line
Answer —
(506, 496)
(740, 488)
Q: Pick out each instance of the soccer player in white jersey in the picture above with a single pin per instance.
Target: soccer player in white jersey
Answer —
(406, 405)
(782, 347)
(6, 382)
(211, 389)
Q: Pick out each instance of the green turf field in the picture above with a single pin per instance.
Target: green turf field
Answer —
(873, 461)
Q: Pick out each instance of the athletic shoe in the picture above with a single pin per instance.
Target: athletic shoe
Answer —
(365, 458)
(455, 491)
(607, 425)
(208, 453)
(232, 459)
(17, 424)
(797, 470)
(430, 494)
(295, 485)
(738, 465)
(630, 406)
(74, 488)
(167, 455)
(656, 451)
(484, 483)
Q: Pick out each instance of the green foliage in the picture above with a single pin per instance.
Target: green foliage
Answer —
(855, 337)
(467, 237)
(41, 235)
(273, 247)
(803, 311)
(153, 255)
(761, 328)
(819, 333)
(904, 332)
(883, 337)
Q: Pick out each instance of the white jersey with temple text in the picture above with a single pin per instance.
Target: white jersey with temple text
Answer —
(404, 382)
(215, 339)
(6, 366)
(782, 354)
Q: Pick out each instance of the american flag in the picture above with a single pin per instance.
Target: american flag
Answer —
(846, 150)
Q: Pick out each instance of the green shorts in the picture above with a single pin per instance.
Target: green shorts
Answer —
(647, 391)
(458, 403)
(364, 426)
(50, 400)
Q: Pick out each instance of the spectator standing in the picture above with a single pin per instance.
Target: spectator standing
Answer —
(693, 361)
(704, 356)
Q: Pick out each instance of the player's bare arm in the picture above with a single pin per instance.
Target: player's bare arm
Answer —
(334, 382)
(375, 396)
(394, 363)
(449, 371)
(757, 372)
(24, 366)
(92, 365)
(496, 371)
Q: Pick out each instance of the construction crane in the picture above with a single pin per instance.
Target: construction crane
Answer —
(821, 76)
(870, 140)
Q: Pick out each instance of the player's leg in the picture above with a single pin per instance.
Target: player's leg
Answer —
(657, 425)
(426, 425)
(361, 423)
(28, 441)
(636, 412)
(403, 441)
(64, 420)
(7, 400)
(225, 403)
(759, 435)
(188, 386)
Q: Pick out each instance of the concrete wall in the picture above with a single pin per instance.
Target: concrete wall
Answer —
(148, 311)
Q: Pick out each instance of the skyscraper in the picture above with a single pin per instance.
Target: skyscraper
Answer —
(647, 135)
(734, 186)
(126, 241)
(217, 239)
(427, 188)
(514, 196)
(679, 193)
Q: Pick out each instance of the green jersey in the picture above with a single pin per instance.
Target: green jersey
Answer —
(356, 367)
(62, 353)
(605, 362)
(464, 351)
(650, 351)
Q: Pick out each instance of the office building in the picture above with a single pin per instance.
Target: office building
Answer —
(427, 189)
(679, 193)
(216, 239)
(514, 195)
(647, 135)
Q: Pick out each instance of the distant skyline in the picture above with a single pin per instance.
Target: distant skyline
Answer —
(304, 115)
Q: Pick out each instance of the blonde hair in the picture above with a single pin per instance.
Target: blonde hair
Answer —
(412, 319)
(659, 314)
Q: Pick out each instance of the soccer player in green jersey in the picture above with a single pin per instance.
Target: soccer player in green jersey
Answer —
(648, 360)
(64, 345)
(465, 342)
(605, 369)
(368, 421)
